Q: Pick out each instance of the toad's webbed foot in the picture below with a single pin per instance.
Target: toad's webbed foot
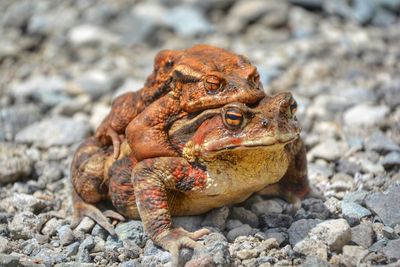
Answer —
(174, 239)
(82, 209)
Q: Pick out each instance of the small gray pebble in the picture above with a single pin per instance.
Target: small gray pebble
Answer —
(356, 197)
(245, 216)
(3, 244)
(54, 132)
(16, 117)
(51, 226)
(314, 209)
(25, 225)
(215, 247)
(389, 232)
(385, 205)
(313, 261)
(281, 237)
(274, 220)
(132, 250)
(131, 263)
(99, 231)
(14, 162)
(378, 245)
(84, 249)
(266, 206)
(154, 256)
(243, 230)
(189, 223)
(113, 243)
(353, 212)
(9, 260)
(348, 167)
(300, 229)
(132, 230)
(85, 226)
(391, 160)
(335, 233)
(216, 218)
(362, 235)
(378, 141)
(66, 235)
(391, 250)
(72, 249)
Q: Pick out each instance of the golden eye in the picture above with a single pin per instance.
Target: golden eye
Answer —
(233, 118)
(212, 84)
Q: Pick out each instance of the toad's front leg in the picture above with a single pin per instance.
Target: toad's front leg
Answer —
(124, 108)
(152, 178)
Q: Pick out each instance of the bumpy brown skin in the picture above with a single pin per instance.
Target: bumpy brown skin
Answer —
(220, 162)
(183, 81)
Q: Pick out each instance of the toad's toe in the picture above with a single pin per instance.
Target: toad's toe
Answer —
(82, 209)
(177, 238)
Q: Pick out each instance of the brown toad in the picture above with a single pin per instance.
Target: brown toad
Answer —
(224, 155)
(183, 81)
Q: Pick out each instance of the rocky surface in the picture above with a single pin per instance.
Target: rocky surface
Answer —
(62, 62)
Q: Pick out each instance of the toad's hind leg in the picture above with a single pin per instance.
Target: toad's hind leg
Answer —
(294, 185)
(153, 178)
(88, 185)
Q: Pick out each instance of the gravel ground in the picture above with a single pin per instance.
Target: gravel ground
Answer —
(62, 62)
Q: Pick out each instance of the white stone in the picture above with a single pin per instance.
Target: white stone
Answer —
(130, 85)
(54, 131)
(329, 150)
(311, 247)
(3, 244)
(365, 115)
(99, 112)
(85, 225)
(334, 233)
(87, 34)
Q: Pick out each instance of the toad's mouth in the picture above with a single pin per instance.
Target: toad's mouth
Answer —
(237, 144)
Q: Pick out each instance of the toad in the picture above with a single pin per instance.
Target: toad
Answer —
(224, 156)
(182, 82)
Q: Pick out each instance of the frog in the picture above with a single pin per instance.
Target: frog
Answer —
(224, 156)
(182, 82)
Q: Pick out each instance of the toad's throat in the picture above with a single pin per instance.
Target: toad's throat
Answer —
(234, 175)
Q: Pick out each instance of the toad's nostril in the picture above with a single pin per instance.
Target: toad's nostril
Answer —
(265, 122)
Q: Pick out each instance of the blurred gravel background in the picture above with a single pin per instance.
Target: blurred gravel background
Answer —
(62, 62)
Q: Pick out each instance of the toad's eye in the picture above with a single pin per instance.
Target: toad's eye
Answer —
(293, 106)
(212, 84)
(233, 118)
